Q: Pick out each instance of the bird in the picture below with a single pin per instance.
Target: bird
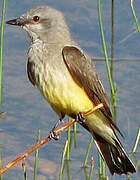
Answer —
(66, 77)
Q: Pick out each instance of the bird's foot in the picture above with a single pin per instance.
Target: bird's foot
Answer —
(53, 135)
(80, 118)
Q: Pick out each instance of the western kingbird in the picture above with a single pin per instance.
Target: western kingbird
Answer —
(65, 76)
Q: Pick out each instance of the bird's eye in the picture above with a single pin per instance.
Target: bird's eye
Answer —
(36, 18)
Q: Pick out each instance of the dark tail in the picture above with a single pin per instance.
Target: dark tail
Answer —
(115, 156)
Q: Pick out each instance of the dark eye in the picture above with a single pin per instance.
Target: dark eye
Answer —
(36, 18)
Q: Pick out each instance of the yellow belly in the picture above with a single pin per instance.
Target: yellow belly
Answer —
(71, 99)
(68, 98)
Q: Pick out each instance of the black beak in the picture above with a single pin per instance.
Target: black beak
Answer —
(16, 22)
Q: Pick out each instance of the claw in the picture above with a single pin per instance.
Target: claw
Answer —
(52, 132)
(80, 118)
(53, 135)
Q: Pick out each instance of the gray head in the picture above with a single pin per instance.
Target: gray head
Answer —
(42, 23)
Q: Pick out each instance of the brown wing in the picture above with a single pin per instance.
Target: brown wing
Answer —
(84, 73)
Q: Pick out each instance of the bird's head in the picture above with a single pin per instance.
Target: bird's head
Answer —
(41, 22)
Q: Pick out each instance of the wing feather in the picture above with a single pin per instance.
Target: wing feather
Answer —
(30, 72)
(84, 74)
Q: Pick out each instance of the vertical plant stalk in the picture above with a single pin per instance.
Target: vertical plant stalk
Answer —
(1, 47)
(68, 170)
(102, 168)
(69, 139)
(86, 174)
(112, 40)
(136, 141)
(63, 161)
(88, 152)
(137, 162)
(75, 134)
(91, 168)
(100, 165)
(114, 103)
(134, 14)
(36, 164)
(105, 52)
(36, 157)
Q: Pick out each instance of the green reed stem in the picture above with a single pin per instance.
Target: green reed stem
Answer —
(100, 164)
(114, 103)
(86, 174)
(128, 178)
(102, 168)
(112, 40)
(69, 141)
(134, 14)
(91, 169)
(68, 170)
(105, 52)
(1, 46)
(75, 134)
(36, 158)
(63, 161)
(36, 164)
(88, 152)
(136, 142)
(137, 161)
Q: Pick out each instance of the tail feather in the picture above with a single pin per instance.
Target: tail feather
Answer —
(114, 156)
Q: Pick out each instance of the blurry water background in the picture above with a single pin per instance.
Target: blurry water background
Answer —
(27, 111)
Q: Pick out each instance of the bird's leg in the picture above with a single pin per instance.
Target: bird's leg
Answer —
(52, 132)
